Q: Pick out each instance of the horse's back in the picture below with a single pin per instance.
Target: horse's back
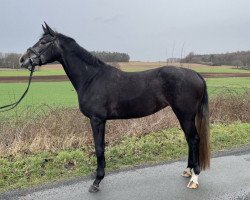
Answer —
(121, 94)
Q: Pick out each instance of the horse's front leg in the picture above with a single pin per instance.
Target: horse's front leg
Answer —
(98, 129)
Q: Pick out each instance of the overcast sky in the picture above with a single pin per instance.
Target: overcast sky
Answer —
(145, 29)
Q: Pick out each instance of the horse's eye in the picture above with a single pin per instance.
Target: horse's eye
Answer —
(43, 42)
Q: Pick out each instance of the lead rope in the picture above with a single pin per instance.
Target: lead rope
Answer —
(38, 55)
(13, 105)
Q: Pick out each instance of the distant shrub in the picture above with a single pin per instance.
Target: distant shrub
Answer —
(238, 59)
(111, 56)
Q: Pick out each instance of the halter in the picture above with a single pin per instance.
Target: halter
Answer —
(38, 56)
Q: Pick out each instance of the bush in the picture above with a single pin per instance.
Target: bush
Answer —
(68, 129)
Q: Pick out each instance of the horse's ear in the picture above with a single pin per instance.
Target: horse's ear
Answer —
(44, 29)
(49, 30)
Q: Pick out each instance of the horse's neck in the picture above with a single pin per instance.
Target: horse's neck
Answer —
(79, 72)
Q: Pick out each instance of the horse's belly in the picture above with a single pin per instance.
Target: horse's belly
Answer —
(137, 108)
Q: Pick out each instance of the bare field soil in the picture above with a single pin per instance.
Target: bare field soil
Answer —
(140, 65)
(149, 65)
(51, 67)
(133, 66)
(57, 78)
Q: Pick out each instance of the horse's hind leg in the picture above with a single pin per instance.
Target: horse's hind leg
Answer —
(187, 172)
(98, 128)
(187, 122)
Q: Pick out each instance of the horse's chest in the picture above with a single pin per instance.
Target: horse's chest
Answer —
(92, 105)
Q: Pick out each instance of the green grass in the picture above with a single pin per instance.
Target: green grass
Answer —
(50, 93)
(23, 171)
(233, 82)
(40, 97)
(62, 94)
(212, 69)
(26, 72)
(234, 85)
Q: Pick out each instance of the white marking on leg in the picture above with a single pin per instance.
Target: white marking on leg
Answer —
(193, 183)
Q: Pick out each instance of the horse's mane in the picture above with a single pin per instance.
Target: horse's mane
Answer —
(86, 56)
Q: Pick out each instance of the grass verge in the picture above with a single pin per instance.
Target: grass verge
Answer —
(22, 171)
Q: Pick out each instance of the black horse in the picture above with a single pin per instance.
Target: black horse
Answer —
(105, 92)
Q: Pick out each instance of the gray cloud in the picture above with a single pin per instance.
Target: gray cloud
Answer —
(143, 28)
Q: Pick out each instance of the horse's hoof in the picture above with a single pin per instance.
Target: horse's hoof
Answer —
(93, 189)
(192, 185)
(186, 174)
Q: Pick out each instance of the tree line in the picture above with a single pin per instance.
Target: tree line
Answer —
(11, 60)
(238, 59)
(106, 56)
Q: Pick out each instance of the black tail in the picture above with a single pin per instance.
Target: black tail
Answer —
(202, 126)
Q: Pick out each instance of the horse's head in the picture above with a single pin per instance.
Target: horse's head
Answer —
(43, 52)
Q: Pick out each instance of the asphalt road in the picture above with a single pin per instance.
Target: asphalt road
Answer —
(228, 178)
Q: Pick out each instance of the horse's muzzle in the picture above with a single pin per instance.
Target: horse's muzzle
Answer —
(29, 63)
